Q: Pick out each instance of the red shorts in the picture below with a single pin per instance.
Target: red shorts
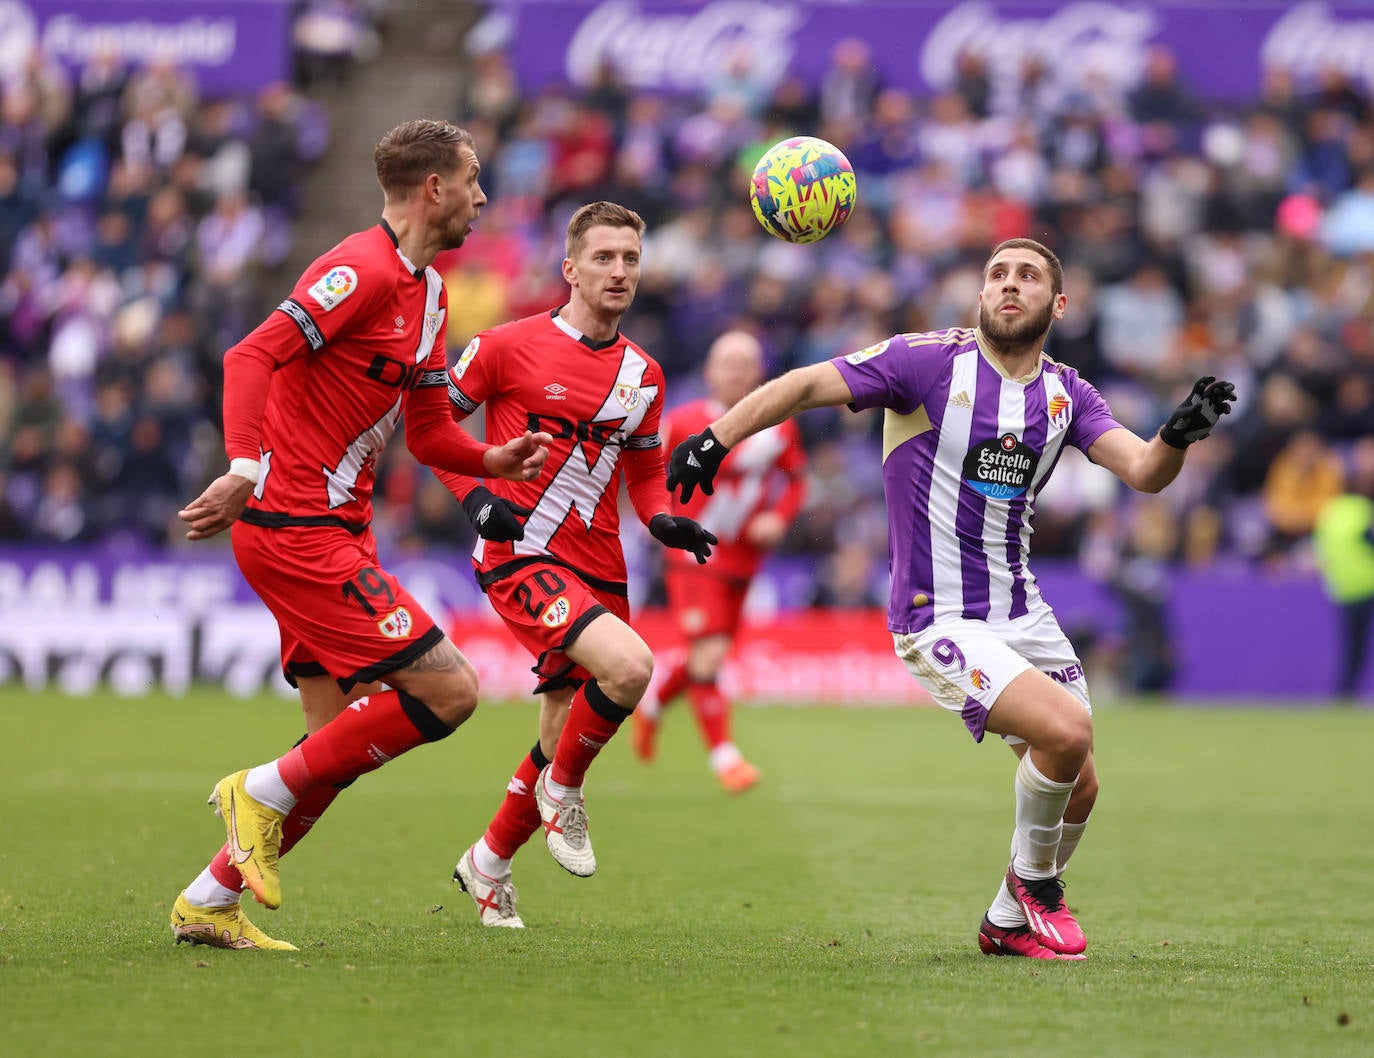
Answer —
(340, 614)
(705, 604)
(546, 606)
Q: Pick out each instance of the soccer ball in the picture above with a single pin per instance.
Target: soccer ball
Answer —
(803, 189)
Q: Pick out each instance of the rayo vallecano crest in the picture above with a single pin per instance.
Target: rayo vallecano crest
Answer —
(628, 396)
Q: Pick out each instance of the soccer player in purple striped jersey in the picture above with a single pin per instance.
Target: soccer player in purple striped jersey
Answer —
(975, 421)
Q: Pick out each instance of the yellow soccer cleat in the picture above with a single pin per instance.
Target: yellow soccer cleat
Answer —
(220, 927)
(254, 837)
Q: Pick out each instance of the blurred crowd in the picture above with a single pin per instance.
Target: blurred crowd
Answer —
(135, 218)
(1197, 239)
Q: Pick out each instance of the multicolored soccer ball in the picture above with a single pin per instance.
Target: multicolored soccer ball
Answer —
(803, 189)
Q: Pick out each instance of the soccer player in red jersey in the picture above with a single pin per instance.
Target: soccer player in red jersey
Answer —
(310, 397)
(559, 580)
(758, 492)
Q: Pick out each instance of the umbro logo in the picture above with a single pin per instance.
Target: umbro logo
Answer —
(960, 400)
(555, 391)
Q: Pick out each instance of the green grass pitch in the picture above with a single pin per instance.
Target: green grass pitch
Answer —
(1225, 887)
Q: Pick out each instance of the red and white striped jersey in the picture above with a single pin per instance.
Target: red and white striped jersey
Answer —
(373, 326)
(601, 402)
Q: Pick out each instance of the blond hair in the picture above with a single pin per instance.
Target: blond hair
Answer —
(599, 214)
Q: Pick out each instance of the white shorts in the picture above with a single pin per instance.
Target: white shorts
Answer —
(965, 665)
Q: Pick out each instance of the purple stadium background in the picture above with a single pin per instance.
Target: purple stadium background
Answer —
(1222, 49)
(230, 45)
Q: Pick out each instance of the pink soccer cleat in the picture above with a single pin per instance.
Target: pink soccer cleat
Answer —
(1049, 918)
(1016, 940)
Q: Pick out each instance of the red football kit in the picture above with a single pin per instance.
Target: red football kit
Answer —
(764, 472)
(315, 393)
(601, 401)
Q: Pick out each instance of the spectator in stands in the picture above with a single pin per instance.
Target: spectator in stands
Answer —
(1345, 555)
(1302, 479)
(850, 83)
(1239, 206)
(278, 162)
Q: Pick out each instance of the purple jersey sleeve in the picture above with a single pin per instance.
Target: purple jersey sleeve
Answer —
(885, 375)
(1091, 416)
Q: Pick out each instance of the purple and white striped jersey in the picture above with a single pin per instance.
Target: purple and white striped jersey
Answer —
(966, 449)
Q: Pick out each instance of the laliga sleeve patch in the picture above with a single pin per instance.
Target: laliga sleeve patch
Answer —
(869, 353)
(334, 286)
(461, 367)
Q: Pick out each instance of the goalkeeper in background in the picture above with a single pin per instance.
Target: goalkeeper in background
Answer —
(758, 493)
(975, 420)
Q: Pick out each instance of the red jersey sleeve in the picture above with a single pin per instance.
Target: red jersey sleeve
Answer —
(248, 368)
(432, 434)
(469, 382)
(645, 473)
(330, 295)
(476, 374)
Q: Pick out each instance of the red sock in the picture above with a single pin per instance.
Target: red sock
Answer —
(305, 815)
(224, 871)
(674, 684)
(592, 721)
(367, 734)
(712, 711)
(296, 825)
(518, 817)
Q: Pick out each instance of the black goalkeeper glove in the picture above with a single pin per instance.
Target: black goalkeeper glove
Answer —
(493, 517)
(1194, 418)
(673, 530)
(694, 463)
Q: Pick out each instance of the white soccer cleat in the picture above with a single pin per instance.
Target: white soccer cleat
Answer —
(565, 829)
(495, 900)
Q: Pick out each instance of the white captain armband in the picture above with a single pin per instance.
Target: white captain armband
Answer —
(246, 468)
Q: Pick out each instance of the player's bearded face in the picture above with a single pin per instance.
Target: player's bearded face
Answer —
(1014, 328)
(1018, 302)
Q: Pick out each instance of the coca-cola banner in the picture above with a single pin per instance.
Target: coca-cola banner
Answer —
(228, 45)
(684, 46)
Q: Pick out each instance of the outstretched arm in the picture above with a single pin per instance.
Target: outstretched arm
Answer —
(1148, 466)
(818, 386)
(695, 461)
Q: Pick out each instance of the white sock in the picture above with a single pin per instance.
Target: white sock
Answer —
(1040, 804)
(1068, 841)
(1005, 911)
(206, 891)
(490, 864)
(264, 785)
(724, 756)
(559, 791)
